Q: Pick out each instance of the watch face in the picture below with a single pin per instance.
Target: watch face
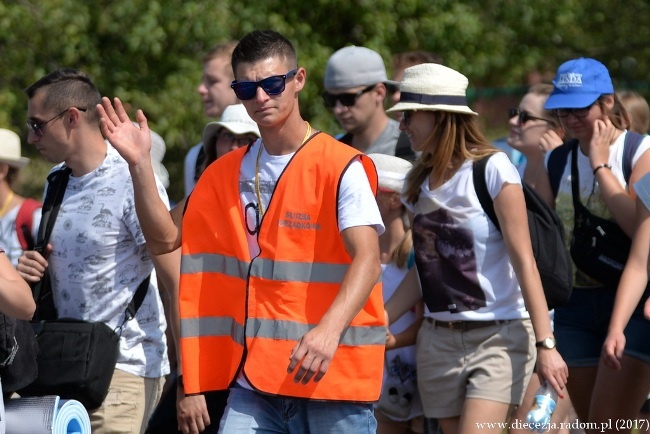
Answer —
(548, 343)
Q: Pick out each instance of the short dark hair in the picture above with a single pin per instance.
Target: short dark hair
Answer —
(262, 44)
(65, 88)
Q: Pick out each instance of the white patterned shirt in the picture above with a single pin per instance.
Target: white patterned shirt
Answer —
(99, 258)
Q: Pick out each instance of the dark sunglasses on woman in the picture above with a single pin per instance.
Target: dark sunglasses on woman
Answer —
(523, 116)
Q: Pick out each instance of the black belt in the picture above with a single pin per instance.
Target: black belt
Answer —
(465, 325)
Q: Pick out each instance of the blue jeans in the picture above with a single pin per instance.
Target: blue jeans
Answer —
(253, 412)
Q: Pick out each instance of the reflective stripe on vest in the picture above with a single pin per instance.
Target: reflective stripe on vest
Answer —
(274, 329)
(264, 268)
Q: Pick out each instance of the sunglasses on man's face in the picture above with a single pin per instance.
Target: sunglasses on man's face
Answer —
(523, 116)
(582, 112)
(273, 85)
(37, 127)
(346, 99)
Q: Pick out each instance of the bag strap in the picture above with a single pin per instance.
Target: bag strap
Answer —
(136, 301)
(556, 164)
(480, 185)
(57, 183)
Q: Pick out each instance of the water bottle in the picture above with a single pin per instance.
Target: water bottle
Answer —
(539, 416)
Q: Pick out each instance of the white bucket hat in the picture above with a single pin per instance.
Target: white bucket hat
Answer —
(158, 149)
(10, 149)
(391, 171)
(235, 119)
(430, 86)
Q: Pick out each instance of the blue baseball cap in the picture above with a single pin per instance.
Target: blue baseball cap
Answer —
(579, 83)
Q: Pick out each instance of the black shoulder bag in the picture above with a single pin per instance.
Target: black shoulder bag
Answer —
(76, 358)
(599, 247)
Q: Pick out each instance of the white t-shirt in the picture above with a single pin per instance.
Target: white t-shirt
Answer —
(99, 258)
(9, 236)
(461, 256)
(357, 205)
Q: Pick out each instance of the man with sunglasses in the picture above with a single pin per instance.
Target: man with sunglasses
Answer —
(96, 256)
(279, 293)
(356, 86)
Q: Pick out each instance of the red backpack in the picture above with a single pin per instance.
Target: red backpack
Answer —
(24, 221)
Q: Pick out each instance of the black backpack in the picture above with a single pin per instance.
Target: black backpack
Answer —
(18, 351)
(546, 236)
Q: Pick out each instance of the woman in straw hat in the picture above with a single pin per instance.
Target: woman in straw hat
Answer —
(19, 216)
(476, 347)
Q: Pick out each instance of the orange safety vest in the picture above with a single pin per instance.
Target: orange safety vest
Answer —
(237, 311)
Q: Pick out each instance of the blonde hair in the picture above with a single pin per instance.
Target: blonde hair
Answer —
(545, 89)
(637, 109)
(455, 138)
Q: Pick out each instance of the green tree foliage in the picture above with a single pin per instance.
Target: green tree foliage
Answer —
(148, 52)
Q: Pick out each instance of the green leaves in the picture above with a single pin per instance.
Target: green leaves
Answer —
(149, 52)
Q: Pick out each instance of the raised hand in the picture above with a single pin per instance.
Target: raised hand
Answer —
(549, 141)
(132, 142)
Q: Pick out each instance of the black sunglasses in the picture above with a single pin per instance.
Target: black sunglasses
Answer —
(578, 112)
(37, 127)
(346, 99)
(406, 116)
(524, 116)
(273, 85)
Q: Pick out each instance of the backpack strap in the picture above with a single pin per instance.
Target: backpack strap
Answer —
(24, 223)
(480, 185)
(632, 142)
(556, 164)
(42, 291)
(136, 301)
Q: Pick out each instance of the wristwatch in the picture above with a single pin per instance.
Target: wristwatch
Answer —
(548, 343)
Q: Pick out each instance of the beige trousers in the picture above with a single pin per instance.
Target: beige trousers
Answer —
(130, 401)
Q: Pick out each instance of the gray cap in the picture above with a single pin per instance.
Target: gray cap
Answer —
(353, 67)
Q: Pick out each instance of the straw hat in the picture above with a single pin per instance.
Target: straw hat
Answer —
(391, 171)
(10, 149)
(430, 86)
